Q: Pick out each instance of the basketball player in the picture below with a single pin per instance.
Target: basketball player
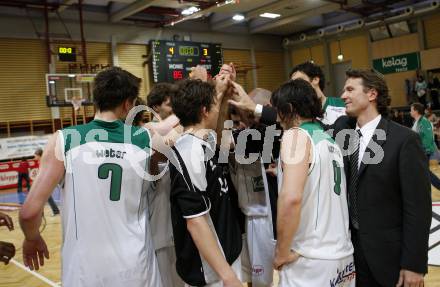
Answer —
(313, 241)
(159, 99)
(333, 107)
(251, 183)
(106, 241)
(206, 231)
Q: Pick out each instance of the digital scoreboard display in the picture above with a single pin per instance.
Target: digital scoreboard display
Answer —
(67, 54)
(172, 61)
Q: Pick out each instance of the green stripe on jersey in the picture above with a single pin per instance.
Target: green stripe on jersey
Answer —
(316, 132)
(102, 131)
(334, 102)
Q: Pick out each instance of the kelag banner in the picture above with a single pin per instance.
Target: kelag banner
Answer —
(396, 64)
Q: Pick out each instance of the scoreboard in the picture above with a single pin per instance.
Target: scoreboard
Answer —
(172, 61)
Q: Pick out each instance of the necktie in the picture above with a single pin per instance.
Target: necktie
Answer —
(353, 184)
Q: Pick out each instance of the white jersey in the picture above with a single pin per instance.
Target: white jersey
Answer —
(248, 180)
(160, 209)
(323, 231)
(106, 241)
(333, 109)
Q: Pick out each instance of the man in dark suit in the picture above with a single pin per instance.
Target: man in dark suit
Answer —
(388, 187)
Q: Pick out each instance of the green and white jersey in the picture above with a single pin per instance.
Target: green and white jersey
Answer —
(106, 241)
(323, 231)
(333, 109)
(426, 132)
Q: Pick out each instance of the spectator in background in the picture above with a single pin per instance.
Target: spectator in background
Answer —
(424, 128)
(420, 88)
(407, 120)
(7, 250)
(397, 117)
(430, 115)
(434, 87)
(408, 92)
(55, 211)
(23, 173)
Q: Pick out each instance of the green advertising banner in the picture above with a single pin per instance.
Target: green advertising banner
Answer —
(396, 64)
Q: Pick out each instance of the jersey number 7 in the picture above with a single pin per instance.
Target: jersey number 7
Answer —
(116, 178)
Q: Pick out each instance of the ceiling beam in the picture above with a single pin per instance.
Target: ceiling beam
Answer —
(65, 4)
(312, 11)
(130, 9)
(278, 5)
(203, 12)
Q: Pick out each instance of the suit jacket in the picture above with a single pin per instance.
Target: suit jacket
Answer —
(394, 200)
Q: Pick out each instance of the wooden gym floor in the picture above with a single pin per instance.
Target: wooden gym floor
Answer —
(16, 275)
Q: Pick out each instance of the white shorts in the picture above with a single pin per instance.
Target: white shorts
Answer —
(236, 267)
(258, 251)
(166, 259)
(316, 272)
(246, 267)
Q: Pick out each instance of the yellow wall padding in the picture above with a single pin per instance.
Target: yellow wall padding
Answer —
(396, 85)
(354, 49)
(301, 55)
(393, 47)
(432, 31)
(130, 58)
(22, 80)
(430, 59)
(271, 71)
(240, 58)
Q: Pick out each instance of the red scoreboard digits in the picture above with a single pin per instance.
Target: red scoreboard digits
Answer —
(177, 75)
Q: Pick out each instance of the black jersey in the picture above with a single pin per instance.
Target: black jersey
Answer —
(201, 186)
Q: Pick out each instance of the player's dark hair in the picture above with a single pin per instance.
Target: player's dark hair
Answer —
(312, 71)
(160, 93)
(190, 98)
(113, 86)
(139, 117)
(297, 98)
(419, 108)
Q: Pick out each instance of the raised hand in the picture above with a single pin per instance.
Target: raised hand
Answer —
(199, 73)
(241, 99)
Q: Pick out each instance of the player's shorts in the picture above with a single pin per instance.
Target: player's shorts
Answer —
(317, 272)
(236, 267)
(246, 266)
(258, 251)
(166, 259)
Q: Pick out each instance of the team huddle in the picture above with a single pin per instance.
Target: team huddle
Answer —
(221, 188)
